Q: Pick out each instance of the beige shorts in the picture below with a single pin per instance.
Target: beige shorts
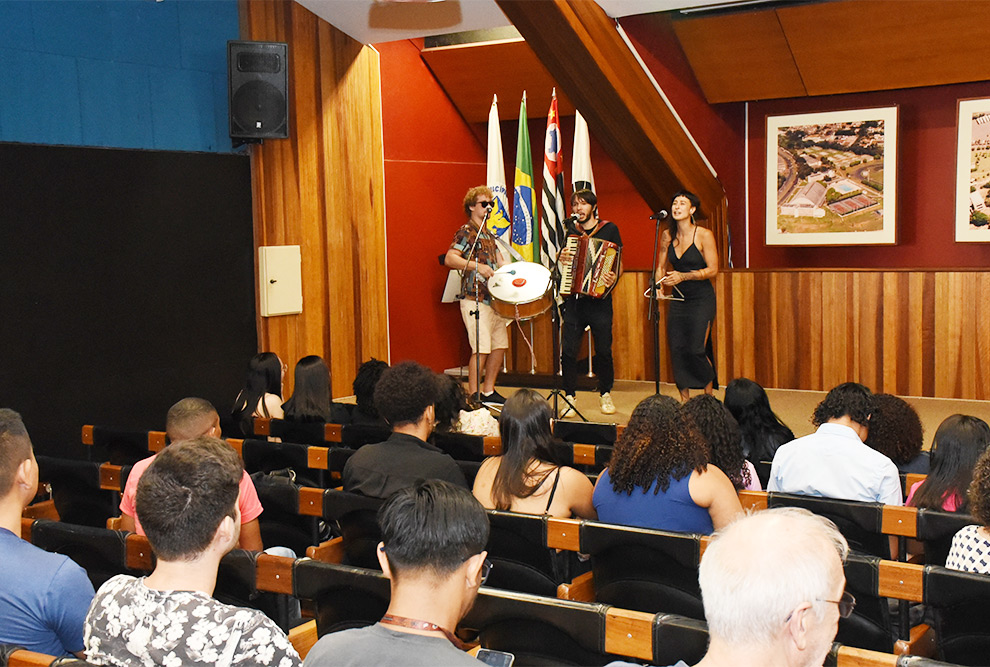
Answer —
(491, 327)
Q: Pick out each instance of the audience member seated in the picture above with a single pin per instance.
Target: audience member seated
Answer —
(262, 394)
(721, 433)
(454, 415)
(760, 429)
(188, 419)
(834, 462)
(970, 549)
(774, 590)
(44, 596)
(525, 478)
(895, 432)
(432, 551)
(310, 401)
(958, 444)
(659, 476)
(364, 392)
(405, 398)
(188, 501)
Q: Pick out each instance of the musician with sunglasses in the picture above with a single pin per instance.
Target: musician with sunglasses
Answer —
(476, 255)
(582, 311)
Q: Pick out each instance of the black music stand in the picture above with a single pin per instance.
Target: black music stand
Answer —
(558, 393)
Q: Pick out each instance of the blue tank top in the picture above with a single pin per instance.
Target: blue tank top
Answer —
(673, 510)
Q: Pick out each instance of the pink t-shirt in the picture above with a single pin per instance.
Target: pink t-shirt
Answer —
(754, 479)
(949, 503)
(248, 500)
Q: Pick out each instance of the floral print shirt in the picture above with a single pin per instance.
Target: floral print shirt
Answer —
(131, 625)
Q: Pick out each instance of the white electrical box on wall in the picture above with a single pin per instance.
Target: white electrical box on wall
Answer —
(280, 280)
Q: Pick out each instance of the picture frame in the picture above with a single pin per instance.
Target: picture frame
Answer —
(973, 171)
(832, 178)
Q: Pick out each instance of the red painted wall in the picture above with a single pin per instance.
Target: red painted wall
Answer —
(432, 156)
(926, 165)
(925, 214)
(431, 159)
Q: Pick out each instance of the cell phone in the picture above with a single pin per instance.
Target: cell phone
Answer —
(496, 658)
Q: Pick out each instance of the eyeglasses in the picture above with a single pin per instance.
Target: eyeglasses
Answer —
(486, 204)
(486, 569)
(846, 604)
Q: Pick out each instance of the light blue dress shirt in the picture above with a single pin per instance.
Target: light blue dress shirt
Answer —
(833, 462)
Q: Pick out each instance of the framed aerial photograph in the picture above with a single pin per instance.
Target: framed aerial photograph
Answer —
(831, 178)
(973, 171)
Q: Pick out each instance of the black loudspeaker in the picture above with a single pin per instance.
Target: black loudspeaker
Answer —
(258, 84)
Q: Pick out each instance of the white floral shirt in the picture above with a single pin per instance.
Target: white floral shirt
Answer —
(131, 625)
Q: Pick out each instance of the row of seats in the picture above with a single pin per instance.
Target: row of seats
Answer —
(538, 630)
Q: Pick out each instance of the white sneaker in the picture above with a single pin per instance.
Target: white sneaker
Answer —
(566, 410)
(607, 406)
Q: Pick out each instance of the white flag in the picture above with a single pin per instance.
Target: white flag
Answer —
(498, 221)
(582, 177)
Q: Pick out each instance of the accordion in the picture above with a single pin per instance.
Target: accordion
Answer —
(591, 260)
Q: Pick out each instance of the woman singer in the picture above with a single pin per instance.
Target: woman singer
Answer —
(688, 262)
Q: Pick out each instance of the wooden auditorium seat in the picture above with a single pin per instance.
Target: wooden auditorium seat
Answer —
(101, 552)
(958, 602)
(642, 569)
(76, 490)
(121, 446)
(319, 433)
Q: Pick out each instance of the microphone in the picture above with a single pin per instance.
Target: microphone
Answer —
(659, 215)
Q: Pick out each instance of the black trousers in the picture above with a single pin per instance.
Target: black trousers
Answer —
(578, 314)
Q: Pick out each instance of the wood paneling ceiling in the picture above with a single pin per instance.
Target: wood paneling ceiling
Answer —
(842, 46)
(462, 71)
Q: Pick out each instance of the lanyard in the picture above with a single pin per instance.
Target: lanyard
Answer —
(415, 624)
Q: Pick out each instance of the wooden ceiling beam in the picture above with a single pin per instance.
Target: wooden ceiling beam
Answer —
(583, 51)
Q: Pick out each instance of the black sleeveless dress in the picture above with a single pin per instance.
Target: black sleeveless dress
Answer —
(689, 322)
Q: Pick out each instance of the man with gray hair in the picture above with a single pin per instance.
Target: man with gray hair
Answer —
(774, 590)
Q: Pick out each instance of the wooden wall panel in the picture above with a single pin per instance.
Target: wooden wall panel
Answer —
(912, 333)
(323, 189)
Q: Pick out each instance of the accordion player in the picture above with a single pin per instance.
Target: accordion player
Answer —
(591, 259)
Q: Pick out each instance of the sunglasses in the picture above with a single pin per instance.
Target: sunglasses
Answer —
(486, 204)
(846, 604)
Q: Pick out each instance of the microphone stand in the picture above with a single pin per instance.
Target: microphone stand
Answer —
(476, 313)
(654, 311)
(555, 320)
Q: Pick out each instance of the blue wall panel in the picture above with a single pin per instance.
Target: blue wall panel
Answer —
(39, 98)
(72, 28)
(176, 95)
(116, 73)
(115, 102)
(16, 31)
(146, 32)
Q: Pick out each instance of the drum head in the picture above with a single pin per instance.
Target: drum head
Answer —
(519, 282)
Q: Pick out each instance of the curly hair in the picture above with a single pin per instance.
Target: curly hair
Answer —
(450, 401)
(848, 399)
(895, 429)
(404, 392)
(472, 197)
(979, 490)
(721, 435)
(660, 442)
(364, 384)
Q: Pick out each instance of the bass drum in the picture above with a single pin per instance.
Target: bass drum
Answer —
(521, 290)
